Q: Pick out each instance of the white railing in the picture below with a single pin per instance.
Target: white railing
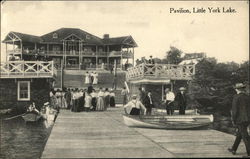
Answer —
(27, 69)
(15, 51)
(156, 71)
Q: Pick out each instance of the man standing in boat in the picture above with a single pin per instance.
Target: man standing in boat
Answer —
(135, 106)
(169, 101)
(241, 118)
(181, 100)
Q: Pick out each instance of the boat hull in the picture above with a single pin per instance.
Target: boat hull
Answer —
(31, 117)
(168, 122)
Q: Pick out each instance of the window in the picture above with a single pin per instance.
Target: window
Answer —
(87, 37)
(23, 91)
(55, 36)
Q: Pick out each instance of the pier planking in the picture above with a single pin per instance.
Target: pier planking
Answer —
(104, 135)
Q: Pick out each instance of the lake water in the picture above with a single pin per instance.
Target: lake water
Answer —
(20, 140)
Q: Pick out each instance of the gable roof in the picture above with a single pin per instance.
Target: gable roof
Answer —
(126, 40)
(23, 37)
(65, 32)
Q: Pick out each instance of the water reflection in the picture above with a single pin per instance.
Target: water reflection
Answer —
(23, 140)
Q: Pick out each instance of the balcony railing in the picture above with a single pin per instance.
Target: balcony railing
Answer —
(71, 53)
(27, 69)
(15, 51)
(161, 71)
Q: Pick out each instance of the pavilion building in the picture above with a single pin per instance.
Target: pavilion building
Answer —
(72, 48)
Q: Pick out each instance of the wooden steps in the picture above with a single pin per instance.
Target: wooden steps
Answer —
(76, 79)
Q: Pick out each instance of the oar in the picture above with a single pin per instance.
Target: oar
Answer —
(14, 117)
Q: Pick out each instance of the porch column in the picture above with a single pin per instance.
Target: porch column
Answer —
(63, 52)
(21, 43)
(172, 86)
(121, 61)
(133, 56)
(96, 56)
(6, 52)
(79, 55)
(108, 54)
(96, 62)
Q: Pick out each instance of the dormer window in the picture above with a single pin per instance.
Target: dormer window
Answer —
(55, 36)
(87, 37)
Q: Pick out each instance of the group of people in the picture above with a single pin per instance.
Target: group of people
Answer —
(145, 101)
(78, 100)
(91, 78)
(146, 61)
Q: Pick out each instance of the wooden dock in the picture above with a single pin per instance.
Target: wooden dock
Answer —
(104, 135)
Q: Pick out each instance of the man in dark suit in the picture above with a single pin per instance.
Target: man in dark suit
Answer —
(181, 100)
(241, 117)
(142, 95)
(149, 103)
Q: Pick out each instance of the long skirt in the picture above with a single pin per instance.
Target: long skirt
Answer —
(94, 102)
(124, 102)
(74, 106)
(68, 101)
(62, 102)
(100, 104)
(112, 101)
(135, 111)
(106, 102)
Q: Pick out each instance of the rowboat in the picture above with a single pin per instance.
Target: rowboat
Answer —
(168, 122)
(31, 117)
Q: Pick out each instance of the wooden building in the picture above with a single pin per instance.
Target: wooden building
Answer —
(157, 77)
(72, 47)
(23, 82)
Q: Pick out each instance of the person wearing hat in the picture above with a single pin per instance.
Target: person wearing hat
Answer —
(135, 106)
(181, 100)
(151, 60)
(169, 101)
(240, 118)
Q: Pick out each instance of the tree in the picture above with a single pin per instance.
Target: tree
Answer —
(173, 55)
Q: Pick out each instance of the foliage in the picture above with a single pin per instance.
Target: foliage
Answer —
(173, 56)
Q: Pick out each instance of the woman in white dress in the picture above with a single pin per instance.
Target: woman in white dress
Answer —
(88, 101)
(100, 101)
(87, 78)
(95, 75)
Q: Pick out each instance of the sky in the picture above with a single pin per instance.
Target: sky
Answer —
(224, 36)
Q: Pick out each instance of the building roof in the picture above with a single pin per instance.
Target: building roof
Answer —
(126, 40)
(64, 33)
(23, 37)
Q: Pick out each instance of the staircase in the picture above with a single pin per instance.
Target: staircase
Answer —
(76, 79)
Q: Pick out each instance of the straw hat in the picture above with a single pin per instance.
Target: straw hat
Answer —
(182, 89)
(134, 96)
(239, 85)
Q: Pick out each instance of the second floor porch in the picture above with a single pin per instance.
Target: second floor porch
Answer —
(160, 72)
(89, 53)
